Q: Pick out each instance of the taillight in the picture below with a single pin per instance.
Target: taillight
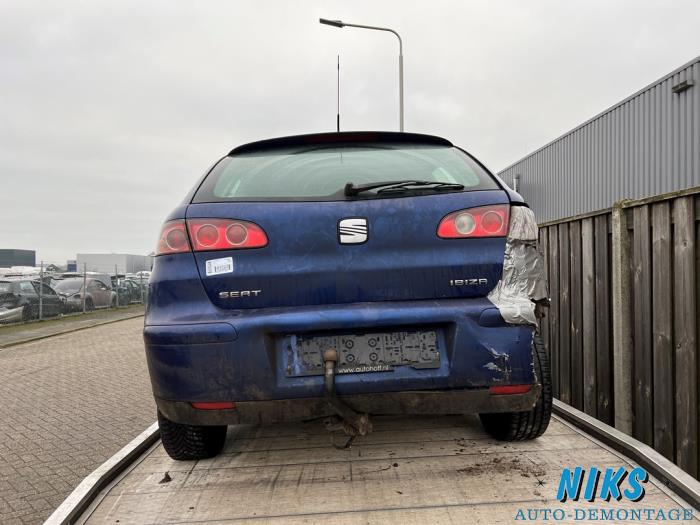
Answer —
(214, 405)
(224, 234)
(509, 390)
(484, 221)
(209, 234)
(173, 238)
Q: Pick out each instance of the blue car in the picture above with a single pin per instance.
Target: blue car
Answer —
(343, 276)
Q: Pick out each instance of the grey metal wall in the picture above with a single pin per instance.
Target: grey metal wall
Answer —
(646, 145)
(106, 262)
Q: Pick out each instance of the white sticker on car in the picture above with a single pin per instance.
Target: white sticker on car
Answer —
(219, 266)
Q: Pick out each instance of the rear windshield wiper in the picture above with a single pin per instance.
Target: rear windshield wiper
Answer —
(401, 185)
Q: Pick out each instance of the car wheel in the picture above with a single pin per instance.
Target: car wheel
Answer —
(27, 314)
(114, 302)
(519, 426)
(186, 442)
(89, 305)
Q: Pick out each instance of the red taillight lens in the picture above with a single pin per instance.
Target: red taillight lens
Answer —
(214, 405)
(224, 234)
(485, 221)
(509, 389)
(173, 238)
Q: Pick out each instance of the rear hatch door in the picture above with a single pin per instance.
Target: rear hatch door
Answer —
(327, 247)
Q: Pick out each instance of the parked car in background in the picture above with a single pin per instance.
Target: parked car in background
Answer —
(49, 279)
(145, 275)
(141, 288)
(123, 289)
(134, 290)
(98, 294)
(104, 277)
(53, 281)
(19, 301)
(129, 292)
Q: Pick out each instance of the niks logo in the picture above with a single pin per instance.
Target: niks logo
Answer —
(606, 485)
(598, 492)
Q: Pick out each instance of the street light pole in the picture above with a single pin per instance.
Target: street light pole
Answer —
(339, 23)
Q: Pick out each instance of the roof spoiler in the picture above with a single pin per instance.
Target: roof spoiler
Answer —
(361, 137)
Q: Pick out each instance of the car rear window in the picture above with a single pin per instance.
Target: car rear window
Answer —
(27, 287)
(321, 173)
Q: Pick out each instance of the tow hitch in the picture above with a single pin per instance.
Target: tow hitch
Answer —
(351, 422)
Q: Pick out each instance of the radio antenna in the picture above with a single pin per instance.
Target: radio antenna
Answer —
(337, 115)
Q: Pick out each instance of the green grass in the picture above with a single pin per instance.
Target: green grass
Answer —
(73, 318)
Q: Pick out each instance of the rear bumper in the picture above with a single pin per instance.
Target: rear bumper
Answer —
(196, 353)
(471, 401)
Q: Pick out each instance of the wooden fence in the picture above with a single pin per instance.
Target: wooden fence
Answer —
(623, 330)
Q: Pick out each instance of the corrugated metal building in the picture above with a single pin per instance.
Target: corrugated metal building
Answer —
(10, 258)
(646, 145)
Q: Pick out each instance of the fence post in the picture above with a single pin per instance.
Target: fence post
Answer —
(685, 324)
(116, 283)
(84, 284)
(622, 320)
(41, 291)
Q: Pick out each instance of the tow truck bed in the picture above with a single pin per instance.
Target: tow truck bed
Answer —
(409, 470)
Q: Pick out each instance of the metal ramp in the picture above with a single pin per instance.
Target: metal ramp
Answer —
(409, 470)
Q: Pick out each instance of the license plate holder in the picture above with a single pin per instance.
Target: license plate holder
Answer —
(361, 353)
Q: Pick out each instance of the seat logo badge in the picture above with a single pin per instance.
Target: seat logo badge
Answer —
(353, 230)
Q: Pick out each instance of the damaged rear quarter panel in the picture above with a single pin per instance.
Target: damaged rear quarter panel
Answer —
(523, 282)
(504, 357)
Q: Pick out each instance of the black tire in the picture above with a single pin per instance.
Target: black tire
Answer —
(27, 314)
(187, 442)
(521, 426)
(89, 305)
(114, 302)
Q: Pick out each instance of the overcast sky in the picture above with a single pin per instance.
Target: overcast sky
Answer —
(109, 111)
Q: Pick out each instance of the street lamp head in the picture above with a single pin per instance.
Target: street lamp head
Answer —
(334, 23)
(340, 23)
